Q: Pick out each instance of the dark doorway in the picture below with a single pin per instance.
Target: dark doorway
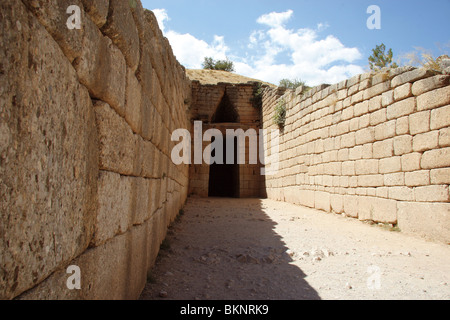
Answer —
(225, 112)
(224, 178)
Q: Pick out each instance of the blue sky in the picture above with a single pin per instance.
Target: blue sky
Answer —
(321, 41)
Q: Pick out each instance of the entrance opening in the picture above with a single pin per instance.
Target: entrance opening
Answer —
(224, 178)
(225, 112)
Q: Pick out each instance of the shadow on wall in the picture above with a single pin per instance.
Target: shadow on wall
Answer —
(226, 249)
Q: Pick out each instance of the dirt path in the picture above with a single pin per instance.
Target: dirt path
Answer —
(233, 249)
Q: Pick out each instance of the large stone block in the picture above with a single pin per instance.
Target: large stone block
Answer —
(438, 158)
(432, 83)
(351, 205)
(401, 108)
(114, 206)
(411, 76)
(366, 166)
(48, 155)
(383, 149)
(98, 10)
(440, 176)
(402, 145)
(417, 178)
(337, 203)
(118, 144)
(401, 193)
(440, 118)
(403, 92)
(374, 180)
(437, 193)
(434, 99)
(426, 141)
(52, 14)
(377, 209)
(429, 220)
(133, 102)
(116, 270)
(444, 137)
(322, 201)
(102, 69)
(366, 135)
(122, 30)
(377, 90)
(419, 122)
(390, 165)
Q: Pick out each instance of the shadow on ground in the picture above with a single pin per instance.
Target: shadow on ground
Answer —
(225, 249)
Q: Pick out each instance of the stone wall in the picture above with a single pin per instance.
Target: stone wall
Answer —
(375, 147)
(85, 176)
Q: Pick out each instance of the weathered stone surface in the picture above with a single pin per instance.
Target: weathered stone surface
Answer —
(433, 99)
(440, 176)
(428, 84)
(403, 92)
(118, 144)
(419, 122)
(383, 149)
(351, 206)
(430, 220)
(426, 141)
(440, 118)
(394, 179)
(322, 201)
(401, 108)
(102, 69)
(401, 193)
(411, 76)
(402, 145)
(444, 137)
(114, 206)
(411, 161)
(374, 180)
(390, 165)
(438, 158)
(417, 178)
(116, 270)
(337, 203)
(48, 155)
(52, 14)
(377, 210)
(133, 102)
(366, 166)
(366, 135)
(432, 194)
(122, 30)
(98, 10)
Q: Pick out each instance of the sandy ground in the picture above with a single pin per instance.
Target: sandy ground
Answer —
(250, 249)
(216, 76)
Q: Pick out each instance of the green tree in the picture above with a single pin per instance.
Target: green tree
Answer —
(291, 84)
(224, 65)
(380, 59)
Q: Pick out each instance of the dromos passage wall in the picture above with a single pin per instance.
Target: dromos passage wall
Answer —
(375, 147)
(86, 178)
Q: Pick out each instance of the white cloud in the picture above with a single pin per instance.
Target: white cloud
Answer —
(162, 17)
(275, 19)
(189, 50)
(275, 52)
